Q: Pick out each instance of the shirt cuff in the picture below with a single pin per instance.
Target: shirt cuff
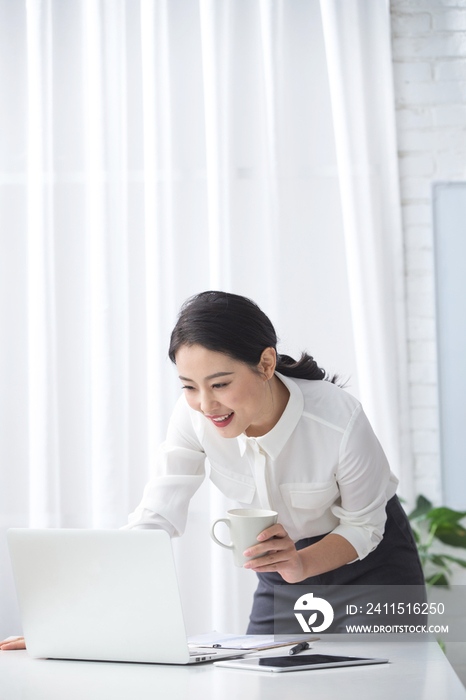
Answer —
(363, 528)
(144, 519)
(359, 538)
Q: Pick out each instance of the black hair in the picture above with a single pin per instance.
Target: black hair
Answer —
(236, 326)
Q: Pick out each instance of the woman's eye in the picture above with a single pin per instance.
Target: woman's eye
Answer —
(219, 386)
(187, 387)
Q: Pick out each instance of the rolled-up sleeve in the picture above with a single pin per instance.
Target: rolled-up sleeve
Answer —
(176, 475)
(363, 475)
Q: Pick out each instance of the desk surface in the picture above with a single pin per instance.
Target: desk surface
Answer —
(417, 671)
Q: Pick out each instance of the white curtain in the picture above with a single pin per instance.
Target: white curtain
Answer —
(150, 150)
(357, 42)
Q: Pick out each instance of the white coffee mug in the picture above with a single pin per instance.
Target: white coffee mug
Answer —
(244, 524)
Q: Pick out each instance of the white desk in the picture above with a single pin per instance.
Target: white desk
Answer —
(418, 671)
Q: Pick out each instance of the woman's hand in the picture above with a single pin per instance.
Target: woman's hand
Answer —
(329, 553)
(282, 556)
(13, 643)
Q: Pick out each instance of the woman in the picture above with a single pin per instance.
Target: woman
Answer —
(277, 437)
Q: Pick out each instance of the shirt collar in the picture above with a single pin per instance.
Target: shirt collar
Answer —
(273, 442)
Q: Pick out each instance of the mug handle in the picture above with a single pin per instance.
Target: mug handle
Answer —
(212, 533)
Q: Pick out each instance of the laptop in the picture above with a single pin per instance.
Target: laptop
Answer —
(102, 595)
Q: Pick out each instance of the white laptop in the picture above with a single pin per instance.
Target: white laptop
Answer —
(105, 595)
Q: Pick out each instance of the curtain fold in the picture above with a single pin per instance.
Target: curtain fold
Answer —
(217, 55)
(271, 21)
(357, 43)
(105, 234)
(44, 475)
(157, 149)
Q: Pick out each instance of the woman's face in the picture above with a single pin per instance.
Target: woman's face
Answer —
(228, 392)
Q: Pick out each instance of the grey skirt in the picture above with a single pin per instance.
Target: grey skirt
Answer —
(395, 561)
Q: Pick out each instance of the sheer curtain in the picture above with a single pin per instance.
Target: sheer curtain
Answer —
(148, 151)
(357, 42)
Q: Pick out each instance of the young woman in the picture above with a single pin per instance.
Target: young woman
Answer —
(277, 436)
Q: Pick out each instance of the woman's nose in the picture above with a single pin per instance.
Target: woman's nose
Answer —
(208, 403)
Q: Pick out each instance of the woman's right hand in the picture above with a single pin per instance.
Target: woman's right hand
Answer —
(13, 643)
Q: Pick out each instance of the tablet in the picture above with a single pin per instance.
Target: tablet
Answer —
(300, 662)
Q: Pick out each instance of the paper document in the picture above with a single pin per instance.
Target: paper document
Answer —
(246, 641)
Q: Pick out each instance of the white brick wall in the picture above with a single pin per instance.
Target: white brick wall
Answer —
(429, 60)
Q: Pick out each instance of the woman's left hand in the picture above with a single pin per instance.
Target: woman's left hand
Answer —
(282, 556)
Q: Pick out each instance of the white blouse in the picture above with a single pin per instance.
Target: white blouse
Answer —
(320, 467)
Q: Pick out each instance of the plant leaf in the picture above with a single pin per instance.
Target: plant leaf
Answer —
(461, 562)
(445, 515)
(423, 506)
(437, 559)
(438, 580)
(452, 534)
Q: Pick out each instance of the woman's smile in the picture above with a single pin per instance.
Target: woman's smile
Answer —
(221, 421)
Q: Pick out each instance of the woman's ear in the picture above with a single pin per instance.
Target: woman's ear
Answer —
(268, 362)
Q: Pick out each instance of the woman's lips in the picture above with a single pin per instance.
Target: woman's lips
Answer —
(224, 422)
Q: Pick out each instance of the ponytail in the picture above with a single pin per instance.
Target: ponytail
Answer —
(305, 368)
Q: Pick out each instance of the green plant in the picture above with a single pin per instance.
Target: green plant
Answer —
(442, 524)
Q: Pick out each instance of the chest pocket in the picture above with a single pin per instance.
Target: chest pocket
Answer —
(317, 496)
(238, 487)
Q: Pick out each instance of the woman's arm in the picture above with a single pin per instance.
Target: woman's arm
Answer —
(331, 552)
(176, 474)
(363, 475)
